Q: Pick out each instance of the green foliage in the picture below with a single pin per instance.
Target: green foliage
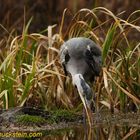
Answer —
(62, 115)
(108, 42)
(29, 119)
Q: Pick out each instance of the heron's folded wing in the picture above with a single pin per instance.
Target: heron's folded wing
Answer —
(93, 59)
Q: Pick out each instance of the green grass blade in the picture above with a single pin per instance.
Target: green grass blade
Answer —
(28, 84)
(108, 41)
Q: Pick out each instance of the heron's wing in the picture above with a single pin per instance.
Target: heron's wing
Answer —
(93, 59)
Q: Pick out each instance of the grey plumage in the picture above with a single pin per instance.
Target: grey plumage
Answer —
(81, 55)
(81, 58)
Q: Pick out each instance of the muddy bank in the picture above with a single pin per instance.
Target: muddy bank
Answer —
(31, 119)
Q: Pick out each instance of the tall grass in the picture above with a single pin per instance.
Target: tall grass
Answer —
(31, 74)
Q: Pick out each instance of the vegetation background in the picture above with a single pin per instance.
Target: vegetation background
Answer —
(31, 33)
(49, 12)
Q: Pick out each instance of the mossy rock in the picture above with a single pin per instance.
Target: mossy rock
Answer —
(62, 115)
(26, 119)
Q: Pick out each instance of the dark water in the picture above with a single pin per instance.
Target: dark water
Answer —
(112, 127)
(109, 127)
(81, 132)
(99, 132)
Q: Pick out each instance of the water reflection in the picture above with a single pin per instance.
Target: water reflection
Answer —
(99, 132)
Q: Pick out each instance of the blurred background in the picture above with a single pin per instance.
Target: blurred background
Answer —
(49, 12)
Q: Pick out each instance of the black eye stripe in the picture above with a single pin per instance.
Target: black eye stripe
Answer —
(67, 57)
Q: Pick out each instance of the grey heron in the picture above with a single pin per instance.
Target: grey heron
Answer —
(81, 58)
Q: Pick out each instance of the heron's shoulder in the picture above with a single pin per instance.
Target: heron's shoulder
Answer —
(81, 44)
(94, 49)
(78, 40)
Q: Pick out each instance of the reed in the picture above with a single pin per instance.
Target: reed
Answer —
(30, 71)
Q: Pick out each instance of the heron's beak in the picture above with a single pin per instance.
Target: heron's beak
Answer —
(87, 108)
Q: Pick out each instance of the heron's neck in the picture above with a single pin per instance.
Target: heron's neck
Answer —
(82, 86)
(76, 79)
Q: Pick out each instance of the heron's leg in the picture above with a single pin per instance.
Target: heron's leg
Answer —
(85, 124)
(86, 127)
(97, 110)
(84, 117)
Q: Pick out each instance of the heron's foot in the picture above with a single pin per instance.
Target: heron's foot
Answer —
(84, 117)
(92, 106)
(97, 117)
